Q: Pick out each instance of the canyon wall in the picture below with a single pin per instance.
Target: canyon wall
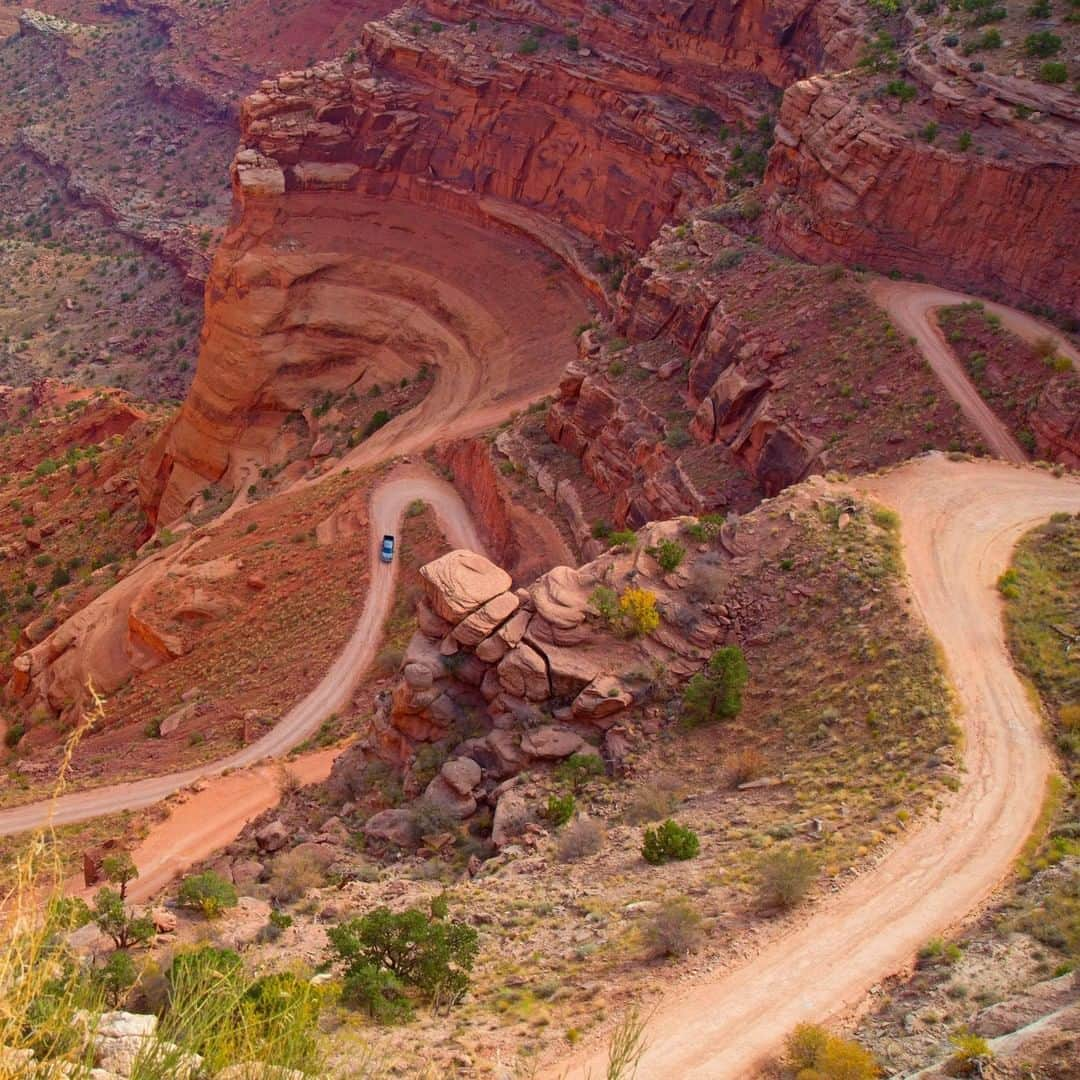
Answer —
(853, 180)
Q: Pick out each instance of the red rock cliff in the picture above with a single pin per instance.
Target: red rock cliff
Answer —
(851, 180)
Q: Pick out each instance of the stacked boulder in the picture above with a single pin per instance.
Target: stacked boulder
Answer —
(523, 665)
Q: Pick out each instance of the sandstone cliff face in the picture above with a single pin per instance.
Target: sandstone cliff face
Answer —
(318, 293)
(850, 181)
(477, 481)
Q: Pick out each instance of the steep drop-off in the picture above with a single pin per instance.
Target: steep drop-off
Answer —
(319, 294)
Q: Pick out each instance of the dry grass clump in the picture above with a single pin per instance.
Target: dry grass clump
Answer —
(295, 873)
(652, 802)
(787, 876)
(580, 839)
(743, 765)
(674, 929)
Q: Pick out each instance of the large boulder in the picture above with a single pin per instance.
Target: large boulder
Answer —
(460, 582)
(442, 794)
(475, 627)
(552, 742)
(462, 774)
(570, 669)
(272, 836)
(392, 827)
(523, 673)
(512, 814)
(506, 748)
(602, 698)
(561, 596)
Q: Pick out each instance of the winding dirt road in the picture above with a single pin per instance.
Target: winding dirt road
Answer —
(912, 306)
(211, 815)
(960, 521)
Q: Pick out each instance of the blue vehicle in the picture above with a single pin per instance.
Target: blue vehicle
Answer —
(386, 552)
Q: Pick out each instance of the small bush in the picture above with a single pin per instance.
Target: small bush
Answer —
(673, 930)
(786, 877)
(1042, 44)
(716, 693)
(1053, 72)
(707, 582)
(605, 602)
(972, 1051)
(380, 419)
(578, 769)
(669, 554)
(560, 809)
(811, 1053)
(669, 842)
(742, 766)
(294, 874)
(638, 610)
(650, 803)
(1008, 584)
(208, 892)
(886, 519)
(579, 840)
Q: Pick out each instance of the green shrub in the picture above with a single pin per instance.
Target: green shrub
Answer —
(901, 90)
(1042, 44)
(716, 693)
(117, 977)
(216, 1010)
(605, 602)
(119, 870)
(786, 876)
(706, 528)
(380, 419)
(578, 769)
(669, 842)
(118, 922)
(207, 892)
(1053, 72)
(432, 955)
(669, 554)
(560, 809)
(380, 993)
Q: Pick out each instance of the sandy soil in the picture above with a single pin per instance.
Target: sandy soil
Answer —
(911, 306)
(239, 799)
(960, 522)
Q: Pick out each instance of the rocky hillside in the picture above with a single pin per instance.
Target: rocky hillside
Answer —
(927, 162)
(510, 703)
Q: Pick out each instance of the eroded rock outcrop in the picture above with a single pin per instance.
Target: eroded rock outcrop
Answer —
(850, 180)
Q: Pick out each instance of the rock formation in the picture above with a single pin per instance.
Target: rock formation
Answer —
(500, 678)
(851, 179)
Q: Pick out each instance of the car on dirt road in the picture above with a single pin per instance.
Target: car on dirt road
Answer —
(386, 551)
